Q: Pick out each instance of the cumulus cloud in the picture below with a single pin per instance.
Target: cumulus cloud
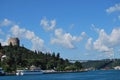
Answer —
(83, 34)
(48, 25)
(89, 44)
(114, 8)
(3, 42)
(65, 39)
(106, 42)
(6, 22)
(93, 27)
(18, 32)
(37, 43)
(22, 33)
(100, 43)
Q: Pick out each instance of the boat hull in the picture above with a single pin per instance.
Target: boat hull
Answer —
(28, 72)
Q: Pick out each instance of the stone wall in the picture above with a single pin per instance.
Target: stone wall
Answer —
(14, 42)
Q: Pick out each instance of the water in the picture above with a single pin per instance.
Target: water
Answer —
(91, 75)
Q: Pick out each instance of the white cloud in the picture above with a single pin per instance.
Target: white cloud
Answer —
(83, 34)
(114, 8)
(65, 39)
(29, 34)
(37, 43)
(89, 44)
(100, 43)
(105, 43)
(115, 37)
(48, 25)
(3, 42)
(6, 22)
(18, 32)
(22, 33)
(94, 28)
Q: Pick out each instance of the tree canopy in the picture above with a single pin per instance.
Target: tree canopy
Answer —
(20, 58)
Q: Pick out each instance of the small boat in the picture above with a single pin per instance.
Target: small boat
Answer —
(32, 71)
(28, 72)
(2, 73)
(19, 72)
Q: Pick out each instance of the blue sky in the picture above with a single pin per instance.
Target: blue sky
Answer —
(77, 29)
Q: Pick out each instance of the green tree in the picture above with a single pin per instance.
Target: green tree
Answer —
(58, 56)
(78, 65)
(70, 67)
(21, 57)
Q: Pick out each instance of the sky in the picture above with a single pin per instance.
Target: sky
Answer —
(77, 29)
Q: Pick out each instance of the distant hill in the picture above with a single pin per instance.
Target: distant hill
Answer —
(99, 64)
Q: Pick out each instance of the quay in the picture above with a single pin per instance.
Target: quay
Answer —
(58, 72)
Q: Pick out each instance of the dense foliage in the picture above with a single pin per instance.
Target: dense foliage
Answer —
(21, 58)
(98, 64)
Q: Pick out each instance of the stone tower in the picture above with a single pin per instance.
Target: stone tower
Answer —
(14, 41)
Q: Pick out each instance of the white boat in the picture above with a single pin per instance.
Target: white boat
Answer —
(2, 72)
(19, 72)
(28, 72)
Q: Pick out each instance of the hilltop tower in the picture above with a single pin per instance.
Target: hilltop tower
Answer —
(14, 41)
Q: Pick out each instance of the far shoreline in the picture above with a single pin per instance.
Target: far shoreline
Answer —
(60, 72)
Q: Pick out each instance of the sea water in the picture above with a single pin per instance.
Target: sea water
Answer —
(90, 75)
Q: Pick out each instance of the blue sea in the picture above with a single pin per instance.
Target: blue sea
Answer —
(90, 75)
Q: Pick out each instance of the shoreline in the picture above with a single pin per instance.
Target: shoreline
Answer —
(60, 72)
(47, 72)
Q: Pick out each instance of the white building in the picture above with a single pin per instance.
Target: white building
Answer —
(117, 68)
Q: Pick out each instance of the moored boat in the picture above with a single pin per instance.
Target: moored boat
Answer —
(2, 73)
(33, 70)
(19, 72)
(28, 72)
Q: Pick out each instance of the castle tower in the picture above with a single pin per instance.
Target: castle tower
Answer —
(14, 41)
